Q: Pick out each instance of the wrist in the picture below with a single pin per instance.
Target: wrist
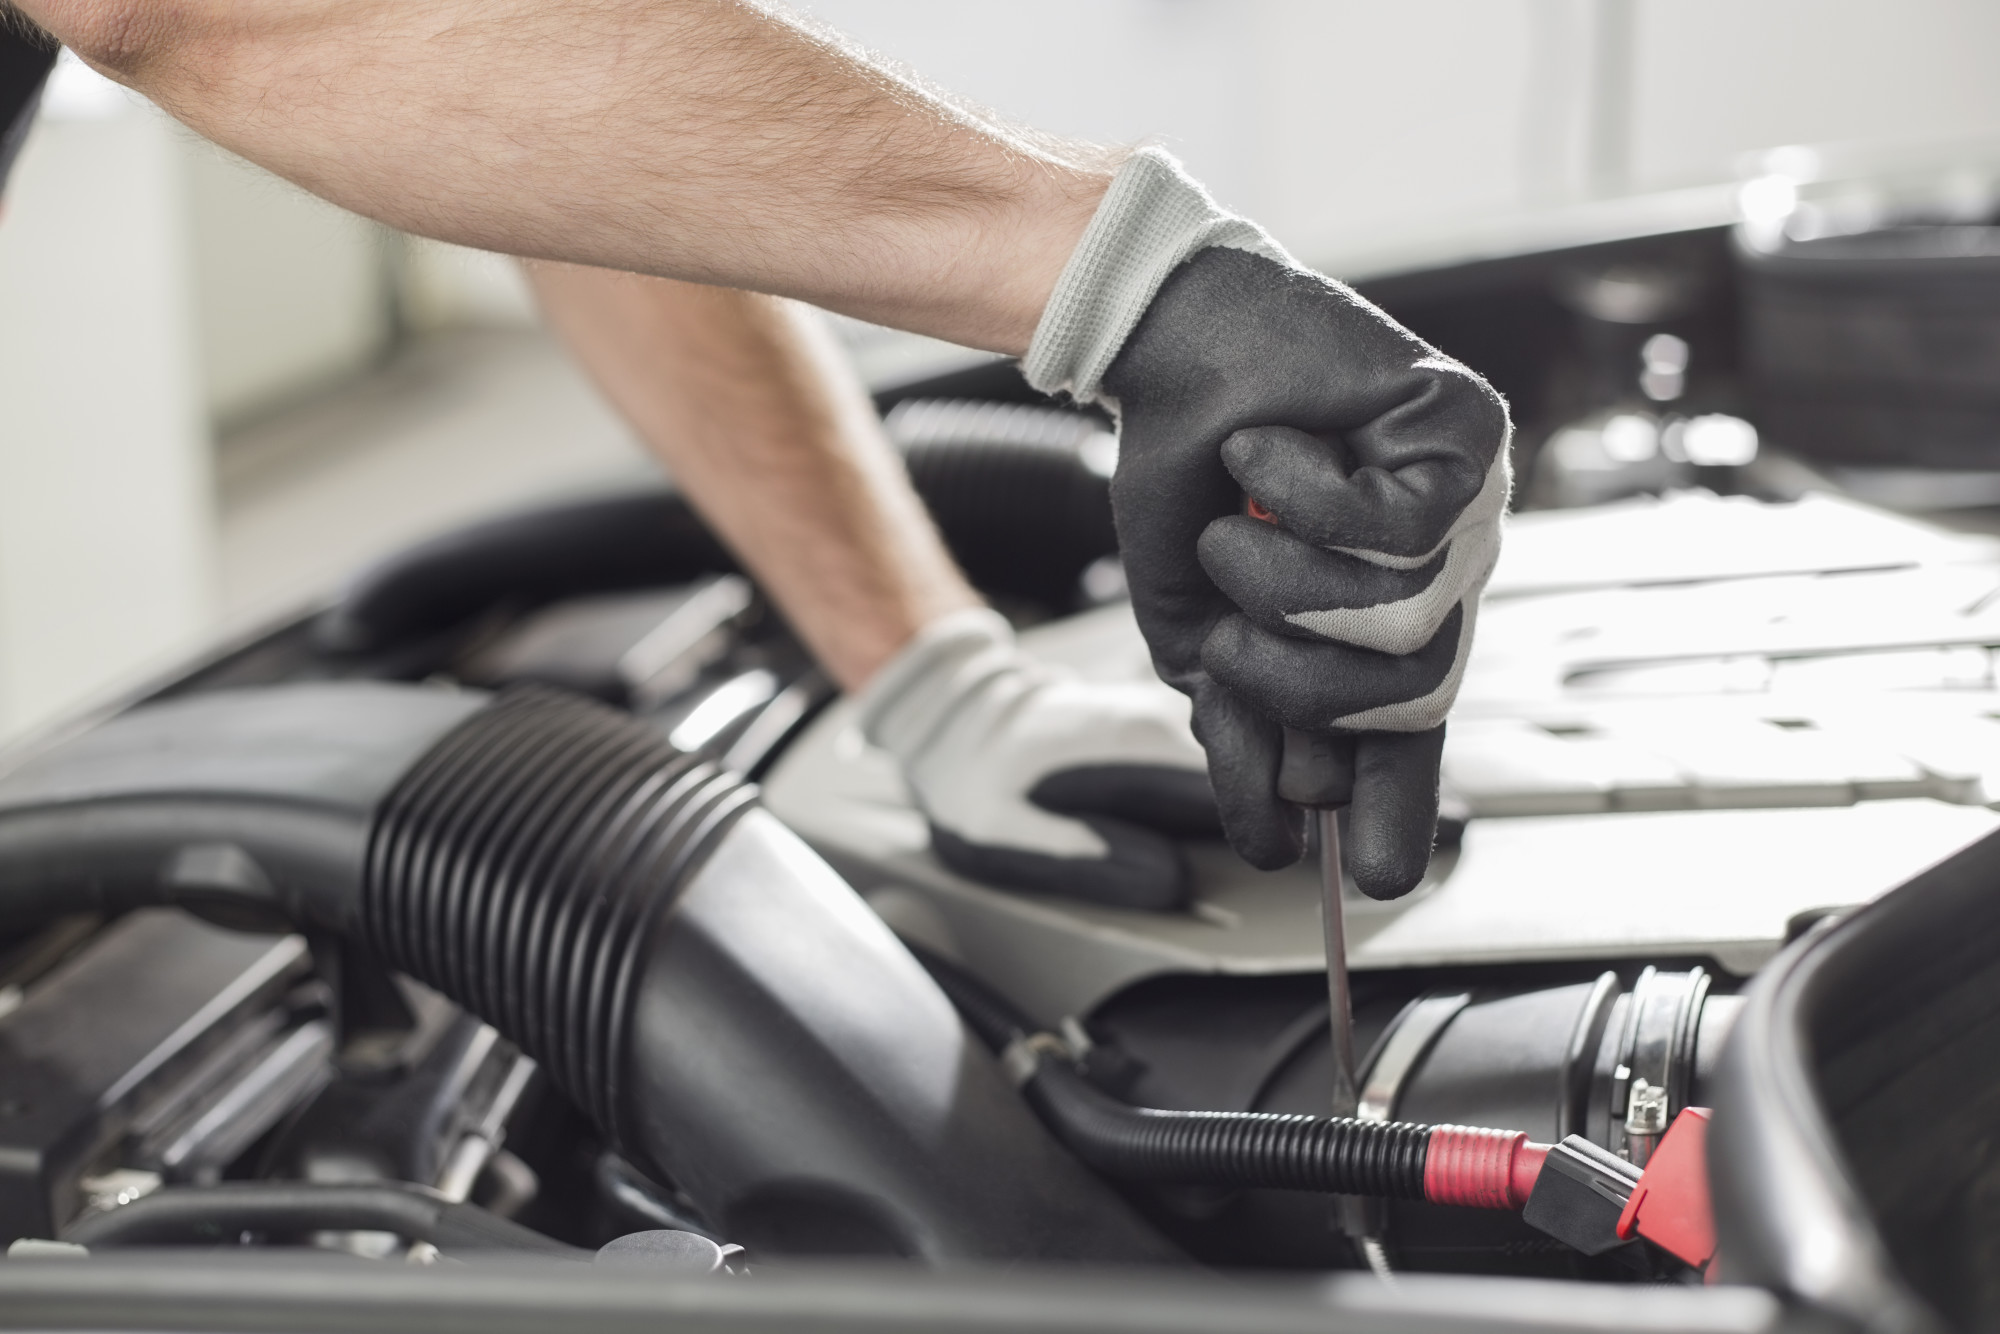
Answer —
(1037, 243)
(873, 631)
(1151, 219)
(985, 264)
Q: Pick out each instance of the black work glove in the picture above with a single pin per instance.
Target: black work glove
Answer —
(1382, 463)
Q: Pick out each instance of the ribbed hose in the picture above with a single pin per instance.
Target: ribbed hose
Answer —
(519, 867)
(1240, 1149)
(1012, 489)
(1462, 1165)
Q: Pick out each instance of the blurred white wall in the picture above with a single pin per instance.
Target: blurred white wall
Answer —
(444, 287)
(1342, 124)
(291, 293)
(152, 289)
(106, 518)
(1716, 78)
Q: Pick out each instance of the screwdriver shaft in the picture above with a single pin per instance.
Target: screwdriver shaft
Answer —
(1340, 1005)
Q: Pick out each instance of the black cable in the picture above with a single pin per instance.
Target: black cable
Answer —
(996, 1020)
(1239, 1149)
(1236, 1149)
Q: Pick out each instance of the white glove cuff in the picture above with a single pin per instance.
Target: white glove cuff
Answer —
(911, 697)
(1151, 219)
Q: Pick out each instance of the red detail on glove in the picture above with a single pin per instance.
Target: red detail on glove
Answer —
(1256, 511)
(1481, 1169)
(1670, 1207)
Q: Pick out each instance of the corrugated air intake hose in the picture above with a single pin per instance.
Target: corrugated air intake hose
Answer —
(520, 864)
(725, 1008)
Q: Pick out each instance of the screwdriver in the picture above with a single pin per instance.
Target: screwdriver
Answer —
(1318, 773)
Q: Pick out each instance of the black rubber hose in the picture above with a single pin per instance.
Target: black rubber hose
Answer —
(1012, 496)
(1258, 1150)
(618, 909)
(219, 1215)
(520, 865)
(995, 1019)
(1011, 490)
(1237, 1149)
(639, 539)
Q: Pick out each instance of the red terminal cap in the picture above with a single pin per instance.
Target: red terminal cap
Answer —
(1481, 1169)
(1670, 1206)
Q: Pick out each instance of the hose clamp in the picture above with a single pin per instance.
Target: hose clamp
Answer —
(1023, 1056)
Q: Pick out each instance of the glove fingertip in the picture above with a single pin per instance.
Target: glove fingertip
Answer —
(1270, 839)
(1393, 822)
(1173, 801)
(1244, 753)
(1142, 872)
(1385, 878)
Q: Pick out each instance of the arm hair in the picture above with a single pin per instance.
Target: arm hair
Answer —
(717, 141)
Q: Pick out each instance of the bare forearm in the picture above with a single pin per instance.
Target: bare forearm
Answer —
(752, 408)
(703, 139)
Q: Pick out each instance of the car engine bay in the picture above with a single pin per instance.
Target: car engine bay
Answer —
(539, 897)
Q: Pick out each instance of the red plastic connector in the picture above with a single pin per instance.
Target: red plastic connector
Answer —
(1670, 1205)
(1481, 1169)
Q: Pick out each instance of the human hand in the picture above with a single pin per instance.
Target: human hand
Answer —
(1034, 779)
(1382, 462)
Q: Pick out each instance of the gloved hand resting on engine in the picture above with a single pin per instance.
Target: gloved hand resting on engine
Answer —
(1035, 779)
(1382, 463)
